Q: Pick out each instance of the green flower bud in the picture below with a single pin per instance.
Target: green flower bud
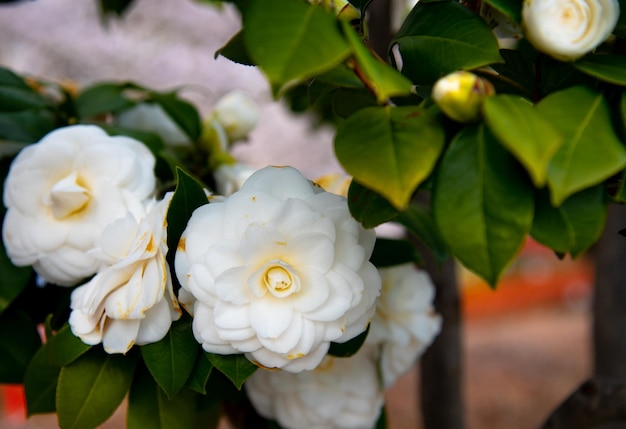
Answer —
(460, 95)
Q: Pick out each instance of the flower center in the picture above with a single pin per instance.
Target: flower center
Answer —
(68, 196)
(280, 279)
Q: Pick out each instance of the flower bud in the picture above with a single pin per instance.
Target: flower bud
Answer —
(568, 29)
(238, 114)
(460, 95)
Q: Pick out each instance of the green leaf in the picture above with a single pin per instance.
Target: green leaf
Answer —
(16, 98)
(13, 279)
(390, 150)
(512, 9)
(291, 40)
(9, 78)
(573, 226)
(27, 125)
(591, 151)
(189, 195)
(201, 372)
(520, 128)
(379, 77)
(382, 420)
(608, 68)
(172, 359)
(418, 220)
(346, 102)
(92, 387)
(102, 98)
(151, 140)
(150, 407)
(483, 207)
(42, 373)
(368, 207)
(114, 7)
(620, 28)
(350, 347)
(389, 252)
(235, 367)
(19, 341)
(182, 113)
(235, 50)
(441, 37)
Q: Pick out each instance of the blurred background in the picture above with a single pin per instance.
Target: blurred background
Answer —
(525, 347)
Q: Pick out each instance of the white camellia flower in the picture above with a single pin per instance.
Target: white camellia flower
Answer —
(229, 178)
(131, 301)
(61, 192)
(568, 29)
(151, 117)
(341, 393)
(278, 269)
(405, 323)
(237, 113)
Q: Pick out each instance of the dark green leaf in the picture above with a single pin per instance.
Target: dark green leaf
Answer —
(520, 128)
(301, 41)
(382, 420)
(346, 102)
(482, 205)
(368, 207)
(172, 359)
(591, 151)
(13, 279)
(235, 367)
(512, 9)
(92, 387)
(573, 226)
(9, 78)
(149, 406)
(235, 50)
(441, 37)
(389, 252)
(114, 7)
(151, 140)
(19, 341)
(350, 347)
(418, 220)
(27, 125)
(390, 150)
(183, 113)
(16, 98)
(620, 28)
(609, 68)
(201, 371)
(102, 98)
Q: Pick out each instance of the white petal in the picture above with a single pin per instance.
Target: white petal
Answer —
(270, 317)
(119, 335)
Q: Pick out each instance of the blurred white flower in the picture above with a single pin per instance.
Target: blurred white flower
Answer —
(131, 301)
(151, 117)
(279, 269)
(61, 192)
(229, 178)
(237, 113)
(405, 323)
(568, 29)
(341, 393)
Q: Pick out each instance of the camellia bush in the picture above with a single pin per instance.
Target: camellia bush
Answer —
(140, 259)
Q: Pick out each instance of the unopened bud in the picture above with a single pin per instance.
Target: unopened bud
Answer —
(460, 95)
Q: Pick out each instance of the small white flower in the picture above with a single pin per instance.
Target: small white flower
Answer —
(279, 269)
(568, 29)
(152, 118)
(61, 192)
(237, 113)
(229, 178)
(341, 393)
(131, 301)
(405, 323)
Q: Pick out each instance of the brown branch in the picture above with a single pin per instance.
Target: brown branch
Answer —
(596, 402)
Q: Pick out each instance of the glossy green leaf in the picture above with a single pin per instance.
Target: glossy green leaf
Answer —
(520, 128)
(16, 98)
(302, 40)
(388, 252)
(201, 372)
(419, 221)
(482, 205)
(102, 98)
(591, 152)
(9, 78)
(235, 367)
(441, 37)
(368, 207)
(19, 340)
(346, 102)
(27, 126)
(608, 68)
(13, 279)
(183, 113)
(512, 9)
(390, 150)
(379, 77)
(189, 195)
(172, 359)
(92, 387)
(150, 407)
(235, 50)
(350, 347)
(573, 226)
